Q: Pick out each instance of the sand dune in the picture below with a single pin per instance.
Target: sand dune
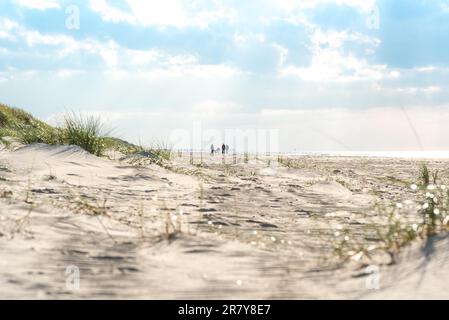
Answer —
(216, 231)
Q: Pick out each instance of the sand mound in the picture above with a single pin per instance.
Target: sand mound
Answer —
(70, 163)
(331, 188)
(268, 171)
(421, 273)
(140, 155)
(40, 150)
(41, 156)
(52, 149)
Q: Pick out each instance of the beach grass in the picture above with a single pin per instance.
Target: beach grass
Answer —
(424, 174)
(423, 216)
(86, 132)
(21, 125)
(159, 153)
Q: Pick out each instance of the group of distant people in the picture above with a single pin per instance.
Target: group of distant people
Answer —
(224, 149)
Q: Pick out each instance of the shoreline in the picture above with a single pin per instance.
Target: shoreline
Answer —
(418, 155)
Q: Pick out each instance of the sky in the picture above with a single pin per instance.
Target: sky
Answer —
(327, 75)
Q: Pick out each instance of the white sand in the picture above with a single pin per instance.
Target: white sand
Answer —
(247, 230)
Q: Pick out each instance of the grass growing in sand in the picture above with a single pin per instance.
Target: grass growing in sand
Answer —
(83, 131)
(159, 153)
(160, 150)
(424, 174)
(86, 132)
(424, 216)
(289, 163)
(21, 125)
(145, 156)
(172, 227)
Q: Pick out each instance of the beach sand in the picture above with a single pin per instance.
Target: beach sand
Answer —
(252, 230)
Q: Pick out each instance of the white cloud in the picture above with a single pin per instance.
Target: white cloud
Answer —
(201, 13)
(109, 54)
(444, 5)
(3, 50)
(291, 5)
(142, 57)
(67, 45)
(426, 69)
(334, 67)
(181, 60)
(202, 71)
(176, 13)
(414, 90)
(164, 13)
(153, 63)
(5, 35)
(109, 13)
(39, 4)
(119, 62)
(240, 38)
(331, 63)
(7, 28)
(431, 69)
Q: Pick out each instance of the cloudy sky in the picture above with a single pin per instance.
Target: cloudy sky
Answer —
(330, 75)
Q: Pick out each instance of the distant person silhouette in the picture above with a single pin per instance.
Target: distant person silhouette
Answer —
(212, 149)
(227, 149)
(223, 148)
